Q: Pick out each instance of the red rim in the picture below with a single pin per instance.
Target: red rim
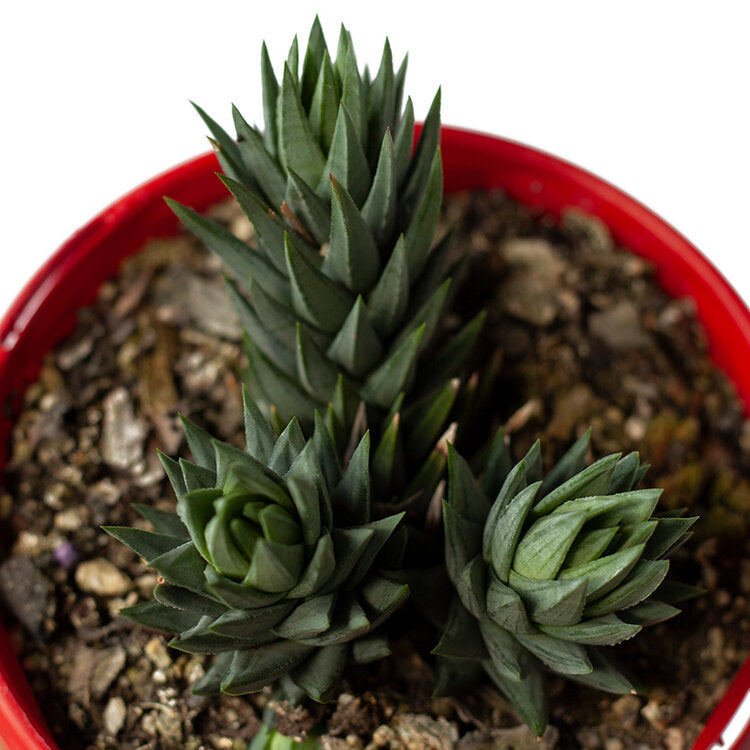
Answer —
(45, 311)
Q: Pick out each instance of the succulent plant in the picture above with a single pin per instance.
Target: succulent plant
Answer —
(344, 292)
(271, 560)
(549, 569)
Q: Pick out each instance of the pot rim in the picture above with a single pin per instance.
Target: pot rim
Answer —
(471, 160)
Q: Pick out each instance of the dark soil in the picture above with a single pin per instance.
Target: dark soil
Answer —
(582, 336)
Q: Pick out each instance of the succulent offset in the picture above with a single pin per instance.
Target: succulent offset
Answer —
(345, 290)
(552, 569)
(271, 560)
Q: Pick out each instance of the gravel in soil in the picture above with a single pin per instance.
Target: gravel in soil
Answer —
(581, 335)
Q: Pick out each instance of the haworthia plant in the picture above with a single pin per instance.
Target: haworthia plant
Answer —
(548, 570)
(271, 561)
(343, 291)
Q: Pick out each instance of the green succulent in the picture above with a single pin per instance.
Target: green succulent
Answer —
(343, 293)
(271, 560)
(549, 569)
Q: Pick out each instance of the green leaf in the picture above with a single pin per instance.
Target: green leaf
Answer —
(319, 675)
(210, 683)
(667, 534)
(315, 297)
(430, 424)
(308, 619)
(147, 544)
(462, 541)
(379, 210)
(402, 146)
(201, 444)
(428, 315)
(423, 160)
(252, 670)
(237, 595)
(351, 92)
(551, 602)
(353, 257)
(314, 369)
(163, 521)
(298, 147)
(388, 462)
(259, 436)
(356, 346)
(649, 612)
(369, 648)
(642, 581)
(312, 211)
(349, 622)
(454, 676)
(527, 696)
(314, 55)
(497, 468)
(179, 598)
(200, 640)
(275, 567)
(389, 299)
(347, 163)
(420, 233)
(461, 638)
(589, 546)
(270, 95)
(606, 573)
(471, 585)
(182, 566)
(381, 597)
(623, 477)
(174, 474)
(261, 165)
(384, 385)
(278, 388)
(464, 493)
(593, 480)
(228, 456)
(573, 462)
(248, 624)
(451, 356)
(351, 498)
(306, 501)
(226, 145)
(603, 631)
(505, 607)
(562, 657)
(605, 675)
(324, 105)
(349, 545)
(241, 260)
(382, 530)
(196, 477)
(505, 522)
(160, 617)
(507, 654)
(542, 549)
(318, 571)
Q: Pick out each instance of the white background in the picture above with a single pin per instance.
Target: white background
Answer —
(652, 96)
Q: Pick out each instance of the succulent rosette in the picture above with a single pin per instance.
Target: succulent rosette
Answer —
(270, 561)
(343, 287)
(550, 569)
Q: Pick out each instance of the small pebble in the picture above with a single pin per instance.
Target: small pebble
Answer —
(99, 576)
(114, 715)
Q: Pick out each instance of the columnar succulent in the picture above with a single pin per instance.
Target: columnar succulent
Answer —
(271, 560)
(552, 569)
(346, 287)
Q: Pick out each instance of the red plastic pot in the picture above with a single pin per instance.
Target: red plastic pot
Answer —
(45, 311)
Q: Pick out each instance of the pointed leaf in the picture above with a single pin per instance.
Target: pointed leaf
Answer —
(310, 209)
(551, 602)
(160, 617)
(388, 301)
(420, 233)
(319, 675)
(308, 618)
(462, 638)
(163, 521)
(252, 670)
(604, 574)
(603, 631)
(643, 580)
(356, 346)
(563, 657)
(379, 210)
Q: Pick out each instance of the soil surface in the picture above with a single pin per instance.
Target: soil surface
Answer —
(582, 336)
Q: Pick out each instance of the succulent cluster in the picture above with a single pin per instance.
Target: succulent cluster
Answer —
(274, 558)
(552, 568)
(345, 290)
(271, 560)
